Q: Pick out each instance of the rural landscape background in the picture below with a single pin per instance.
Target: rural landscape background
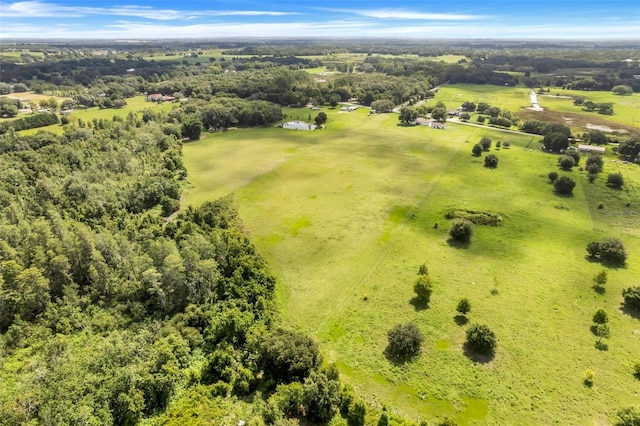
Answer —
(386, 220)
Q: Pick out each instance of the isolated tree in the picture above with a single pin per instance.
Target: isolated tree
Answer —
(408, 115)
(631, 297)
(491, 161)
(465, 116)
(564, 185)
(600, 317)
(485, 143)
(460, 230)
(321, 118)
(622, 89)
(566, 163)
(600, 278)
(552, 176)
(477, 150)
(615, 180)
(423, 270)
(464, 306)
(404, 340)
(423, 288)
(609, 250)
(481, 339)
(594, 163)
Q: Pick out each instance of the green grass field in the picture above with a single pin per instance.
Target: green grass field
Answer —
(558, 106)
(135, 105)
(346, 215)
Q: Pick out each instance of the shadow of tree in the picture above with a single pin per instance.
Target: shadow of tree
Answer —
(458, 244)
(601, 346)
(599, 289)
(461, 319)
(419, 304)
(398, 360)
(479, 357)
(629, 311)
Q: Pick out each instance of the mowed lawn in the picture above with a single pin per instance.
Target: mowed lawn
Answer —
(346, 215)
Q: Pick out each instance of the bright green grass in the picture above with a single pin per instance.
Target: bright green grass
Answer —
(350, 212)
(511, 98)
(626, 108)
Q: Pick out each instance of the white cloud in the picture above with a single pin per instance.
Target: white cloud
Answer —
(38, 9)
(406, 14)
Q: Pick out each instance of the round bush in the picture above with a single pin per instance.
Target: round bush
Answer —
(463, 306)
(552, 176)
(632, 297)
(615, 180)
(491, 161)
(566, 163)
(564, 185)
(481, 339)
(404, 340)
(461, 230)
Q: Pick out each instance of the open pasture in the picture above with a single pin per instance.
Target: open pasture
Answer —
(134, 105)
(345, 216)
(558, 105)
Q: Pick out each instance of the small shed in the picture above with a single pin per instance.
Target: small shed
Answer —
(592, 148)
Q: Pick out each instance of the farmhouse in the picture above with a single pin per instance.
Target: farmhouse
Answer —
(591, 148)
(349, 109)
(298, 125)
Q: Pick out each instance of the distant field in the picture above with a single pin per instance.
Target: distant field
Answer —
(135, 104)
(346, 215)
(558, 105)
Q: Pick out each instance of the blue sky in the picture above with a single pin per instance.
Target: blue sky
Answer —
(143, 19)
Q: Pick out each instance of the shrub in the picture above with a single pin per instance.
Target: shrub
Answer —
(600, 317)
(477, 150)
(404, 340)
(491, 161)
(485, 143)
(592, 177)
(498, 144)
(594, 163)
(575, 155)
(321, 397)
(632, 297)
(564, 185)
(611, 250)
(589, 376)
(552, 176)
(357, 411)
(461, 230)
(423, 288)
(628, 417)
(423, 270)
(481, 339)
(615, 180)
(481, 119)
(566, 163)
(506, 144)
(600, 278)
(463, 306)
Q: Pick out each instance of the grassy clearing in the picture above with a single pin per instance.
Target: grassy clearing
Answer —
(134, 105)
(345, 216)
(558, 105)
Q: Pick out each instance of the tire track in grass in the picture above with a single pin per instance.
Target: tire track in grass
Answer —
(384, 250)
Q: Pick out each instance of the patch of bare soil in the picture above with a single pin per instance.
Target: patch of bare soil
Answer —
(577, 120)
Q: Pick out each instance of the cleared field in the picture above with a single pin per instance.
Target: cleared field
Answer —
(346, 215)
(558, 106)
(135, 104)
